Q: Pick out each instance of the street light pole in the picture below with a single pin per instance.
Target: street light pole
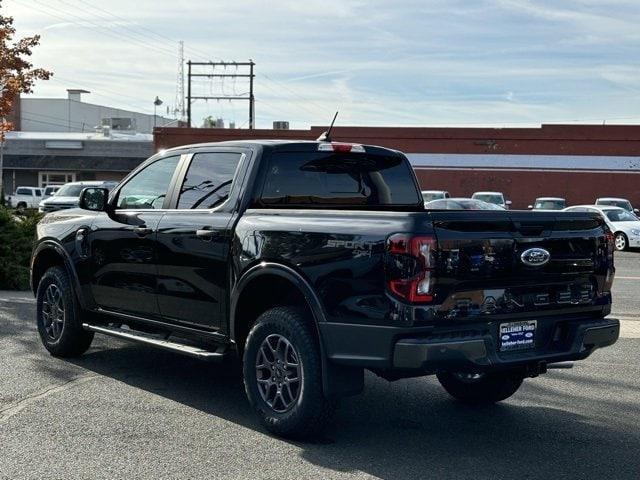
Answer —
(156, 103)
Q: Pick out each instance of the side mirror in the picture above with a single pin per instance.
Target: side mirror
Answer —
(530, 207)
(94, 199)
(508, 202)
(635, 210)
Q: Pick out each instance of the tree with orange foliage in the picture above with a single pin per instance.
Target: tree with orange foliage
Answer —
(17, 74)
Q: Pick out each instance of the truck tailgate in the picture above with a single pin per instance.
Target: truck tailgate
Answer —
(519, 263)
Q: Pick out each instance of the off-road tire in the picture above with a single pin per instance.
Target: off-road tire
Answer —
(311, 411)
(72, 340)
(489, 388)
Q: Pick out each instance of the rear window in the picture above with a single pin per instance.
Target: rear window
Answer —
(550, 204)
(326, 178)
(496, 199)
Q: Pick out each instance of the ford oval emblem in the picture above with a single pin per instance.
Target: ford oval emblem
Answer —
(535, 257)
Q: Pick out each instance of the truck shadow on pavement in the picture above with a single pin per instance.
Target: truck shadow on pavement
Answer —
(411, 429)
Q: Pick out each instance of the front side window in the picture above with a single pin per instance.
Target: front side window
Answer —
(208, 181)
(148, 188)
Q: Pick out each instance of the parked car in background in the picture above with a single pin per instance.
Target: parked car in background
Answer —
(68, 195)
(624, 224)
(428, 195)
(548, 203)
(50, 190)
(25, 197)
(617, 202)
(497, 198)
(460, 204)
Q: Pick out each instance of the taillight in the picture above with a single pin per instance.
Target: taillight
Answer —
(409, 267)
(340, 147)
(611, 241)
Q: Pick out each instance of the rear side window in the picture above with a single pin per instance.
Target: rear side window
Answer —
(209, 180)
(329, 179)
(23, 191)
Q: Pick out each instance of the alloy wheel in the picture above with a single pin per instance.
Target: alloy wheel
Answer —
(621, 242)
(278, 373)
(53, 312)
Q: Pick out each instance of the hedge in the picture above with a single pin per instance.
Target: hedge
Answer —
(17, 234)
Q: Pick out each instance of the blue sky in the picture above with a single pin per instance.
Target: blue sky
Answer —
(430, 62)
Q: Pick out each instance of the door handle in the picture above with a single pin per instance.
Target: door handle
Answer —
(143, 230)
(205, 234)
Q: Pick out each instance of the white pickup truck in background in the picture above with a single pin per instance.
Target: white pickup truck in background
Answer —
(25, 197)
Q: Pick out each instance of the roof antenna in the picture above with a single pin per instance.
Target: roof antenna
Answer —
(326, 136)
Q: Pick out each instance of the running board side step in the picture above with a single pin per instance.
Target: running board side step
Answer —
(133, 336)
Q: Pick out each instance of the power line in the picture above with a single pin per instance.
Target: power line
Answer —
(83, 22)
(198, 53)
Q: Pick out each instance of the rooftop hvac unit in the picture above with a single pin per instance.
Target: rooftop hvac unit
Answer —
(281, 125)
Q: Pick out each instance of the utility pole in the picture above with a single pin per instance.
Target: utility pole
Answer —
(178, 105)
(250, 75)
(189, 94)
(251, 99)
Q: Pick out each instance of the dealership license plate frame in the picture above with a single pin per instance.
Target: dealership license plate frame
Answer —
(512, 339)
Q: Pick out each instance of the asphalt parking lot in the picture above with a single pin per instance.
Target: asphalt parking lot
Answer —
(127, 411)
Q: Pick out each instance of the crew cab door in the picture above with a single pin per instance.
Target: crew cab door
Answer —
(194, 239)
(122, 243)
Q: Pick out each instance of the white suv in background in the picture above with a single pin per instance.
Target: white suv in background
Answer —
(25, 197)
(497, 198)
(429, 195)
(617, 202)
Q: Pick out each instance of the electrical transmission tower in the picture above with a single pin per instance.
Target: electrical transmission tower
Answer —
(178, 109)
(246, 67)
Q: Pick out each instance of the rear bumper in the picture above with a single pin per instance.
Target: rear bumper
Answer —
(480, 353)
(461, 347)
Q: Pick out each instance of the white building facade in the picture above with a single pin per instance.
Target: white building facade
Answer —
(71, 114)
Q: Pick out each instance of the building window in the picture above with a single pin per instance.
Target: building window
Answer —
(55, 178)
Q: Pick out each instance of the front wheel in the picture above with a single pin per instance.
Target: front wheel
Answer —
(59, 316)
(282, 372)
(621, 241)
(480, 388)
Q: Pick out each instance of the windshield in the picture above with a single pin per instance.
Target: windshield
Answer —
(486, 197)
(550, 204)
(616, 203)
(428, 196)
(620, 216)
(69, 190)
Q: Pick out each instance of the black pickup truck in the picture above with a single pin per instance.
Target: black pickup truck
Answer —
(314, 261)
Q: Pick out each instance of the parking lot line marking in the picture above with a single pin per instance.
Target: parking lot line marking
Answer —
(627, 278)
(10, 410)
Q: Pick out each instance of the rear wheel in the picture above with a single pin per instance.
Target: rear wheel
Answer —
(21, 207)
(283, 374)
(59, 316)
(480, 388)
(621, 241)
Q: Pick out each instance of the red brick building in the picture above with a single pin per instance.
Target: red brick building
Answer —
(578, 162)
